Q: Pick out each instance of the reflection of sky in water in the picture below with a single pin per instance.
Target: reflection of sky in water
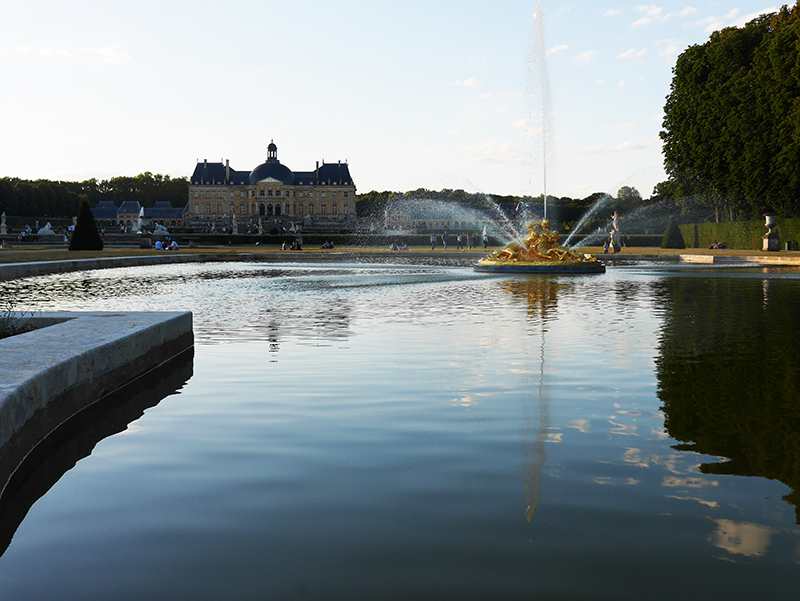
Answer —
(433, 424)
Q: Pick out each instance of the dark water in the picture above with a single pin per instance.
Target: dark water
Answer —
(384, 432)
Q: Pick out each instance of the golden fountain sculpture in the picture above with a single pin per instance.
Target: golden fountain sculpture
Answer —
(539, 252)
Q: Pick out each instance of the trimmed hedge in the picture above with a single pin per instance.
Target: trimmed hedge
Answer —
(673, 237)
(745, 235)
(85, 236)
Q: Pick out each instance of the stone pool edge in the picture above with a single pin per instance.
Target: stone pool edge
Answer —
(75, 358)
(10, 271)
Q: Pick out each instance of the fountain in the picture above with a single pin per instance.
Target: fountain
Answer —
(538, 252)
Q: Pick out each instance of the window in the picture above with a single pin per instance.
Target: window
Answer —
(197, 207)
(241, 208)
(322, 208)
(346, 194)
(219, 194)
(333, 194)
(346, 207)
(208, 207)
(219, 208)
(196, 194)
(323, 195)
(231, 193)
(335, 208)
(208, 194)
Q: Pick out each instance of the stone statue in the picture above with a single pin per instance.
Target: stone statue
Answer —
(234, 224)
(3, 226)
(47, 230)
(540, 245)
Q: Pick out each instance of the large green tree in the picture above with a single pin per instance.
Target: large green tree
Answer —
(731, 129)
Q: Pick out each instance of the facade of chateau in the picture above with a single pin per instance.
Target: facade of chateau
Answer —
(272, 194)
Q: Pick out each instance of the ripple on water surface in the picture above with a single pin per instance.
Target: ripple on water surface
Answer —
(396, 431)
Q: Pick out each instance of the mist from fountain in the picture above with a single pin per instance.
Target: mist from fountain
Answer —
(599, 204)
(648, 217)
(489, 215)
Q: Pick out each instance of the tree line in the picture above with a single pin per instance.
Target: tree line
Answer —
(731, 129)
(46, 198)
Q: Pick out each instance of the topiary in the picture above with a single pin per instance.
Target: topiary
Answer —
(85, 236)
(672, 237)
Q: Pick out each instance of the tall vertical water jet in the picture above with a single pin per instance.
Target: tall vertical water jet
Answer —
(537, 68)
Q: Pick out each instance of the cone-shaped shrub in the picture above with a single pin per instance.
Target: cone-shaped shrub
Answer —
(85, 236)
(673, 237)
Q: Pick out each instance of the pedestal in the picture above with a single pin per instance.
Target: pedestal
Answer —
(771, 242)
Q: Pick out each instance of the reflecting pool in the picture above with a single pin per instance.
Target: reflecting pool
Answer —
(388, 432)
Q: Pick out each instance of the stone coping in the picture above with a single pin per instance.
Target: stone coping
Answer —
(75, 358)
(10, 271)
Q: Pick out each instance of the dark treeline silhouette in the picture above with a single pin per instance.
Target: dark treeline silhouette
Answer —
(45, 198)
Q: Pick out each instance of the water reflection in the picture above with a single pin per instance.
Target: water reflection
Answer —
(728, 375)
(33, 461)
(540, 295)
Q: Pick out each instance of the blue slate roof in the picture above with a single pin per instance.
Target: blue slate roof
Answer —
(162, 210)
(130, 206)
(105, 209)
(329, 174)
(214, 173)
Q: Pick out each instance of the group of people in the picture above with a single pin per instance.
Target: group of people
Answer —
(295, 245)
(460, 239)
(402, 246)
(166, 244)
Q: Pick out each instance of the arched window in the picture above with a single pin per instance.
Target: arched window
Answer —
(278, 208)
(262, 209)
(269, 209)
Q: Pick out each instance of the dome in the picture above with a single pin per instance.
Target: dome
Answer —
(274, 170)
(272, 147)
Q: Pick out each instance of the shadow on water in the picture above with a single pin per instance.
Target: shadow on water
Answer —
(26, 478)
(728, 373)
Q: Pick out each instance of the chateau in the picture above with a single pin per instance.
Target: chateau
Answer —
(272, 193)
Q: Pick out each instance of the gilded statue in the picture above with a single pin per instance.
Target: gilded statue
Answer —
(539, 246)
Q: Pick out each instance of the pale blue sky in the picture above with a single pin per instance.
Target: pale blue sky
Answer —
(435, 94)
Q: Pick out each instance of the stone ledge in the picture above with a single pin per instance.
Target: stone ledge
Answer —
(83, 356)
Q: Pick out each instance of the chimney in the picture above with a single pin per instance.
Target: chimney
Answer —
(227, 171)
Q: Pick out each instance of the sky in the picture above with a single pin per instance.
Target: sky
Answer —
(421, 94)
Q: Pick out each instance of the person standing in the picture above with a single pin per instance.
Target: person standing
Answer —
(433, 241)
(460, 244)
(444, 239)
(486, 241)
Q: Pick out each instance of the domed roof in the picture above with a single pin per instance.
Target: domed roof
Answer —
(274, 170)
(272, 146)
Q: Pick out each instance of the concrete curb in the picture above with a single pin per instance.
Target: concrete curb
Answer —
(80, 357)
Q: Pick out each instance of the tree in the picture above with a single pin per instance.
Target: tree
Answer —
(731, 128)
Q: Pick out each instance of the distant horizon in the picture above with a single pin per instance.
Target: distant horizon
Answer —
(436, 96)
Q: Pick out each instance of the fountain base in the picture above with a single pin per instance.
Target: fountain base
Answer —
(539, 252)
(563, 268)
